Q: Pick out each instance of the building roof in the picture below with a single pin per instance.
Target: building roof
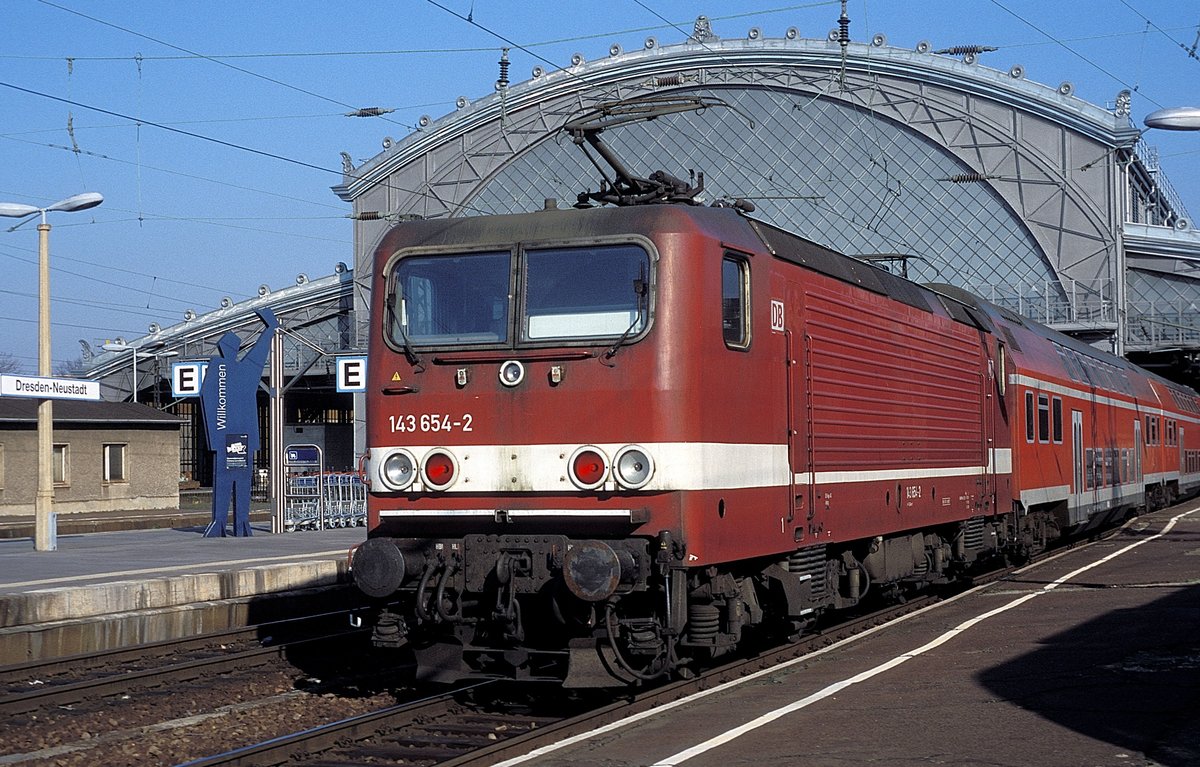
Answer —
(22, 410)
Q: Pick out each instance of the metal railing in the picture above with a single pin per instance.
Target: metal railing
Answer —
(1163, 191)
(1070, 304)
(1163, 324)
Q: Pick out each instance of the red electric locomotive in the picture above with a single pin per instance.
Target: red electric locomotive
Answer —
(608, 442)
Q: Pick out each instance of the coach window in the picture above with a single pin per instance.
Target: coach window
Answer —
(62, 465)
(735, 302)
(114, 463)
(1029, 416)
(1, 466)
(1056, 420)
(1170, 433)
(1043, 418)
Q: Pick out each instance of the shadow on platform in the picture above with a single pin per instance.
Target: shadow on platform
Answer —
(1130, 678)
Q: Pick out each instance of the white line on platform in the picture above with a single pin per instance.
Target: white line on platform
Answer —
(729, 735)
(175, 568)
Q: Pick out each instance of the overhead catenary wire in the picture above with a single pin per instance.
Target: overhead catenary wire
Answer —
(180, 131)
(452, 51)
(200, 55)
(1060, 43)
(181, 174)
(32, 259)
(1190, 51)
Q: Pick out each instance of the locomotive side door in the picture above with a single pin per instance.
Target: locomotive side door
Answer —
(787, 325)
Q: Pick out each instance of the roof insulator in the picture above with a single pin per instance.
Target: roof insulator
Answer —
(969, 178)
(370, 112)
(503, 81)
(964, 50)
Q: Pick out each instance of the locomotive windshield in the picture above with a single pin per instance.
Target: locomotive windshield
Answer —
(567, 294)
(585, 292)
(451, 300)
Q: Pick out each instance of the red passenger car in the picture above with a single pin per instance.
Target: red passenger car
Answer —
(608, 443)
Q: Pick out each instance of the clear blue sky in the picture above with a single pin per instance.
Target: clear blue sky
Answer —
(187, 221)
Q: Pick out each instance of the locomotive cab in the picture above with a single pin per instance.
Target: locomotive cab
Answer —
(545, 395)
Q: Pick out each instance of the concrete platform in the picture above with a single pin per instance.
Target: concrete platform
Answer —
(101, 590)
(1092, 658)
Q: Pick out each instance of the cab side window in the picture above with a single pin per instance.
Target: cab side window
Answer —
(735, 302)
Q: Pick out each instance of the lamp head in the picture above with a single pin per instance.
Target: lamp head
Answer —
(16, 210)
(1174, 118)
(78, 202)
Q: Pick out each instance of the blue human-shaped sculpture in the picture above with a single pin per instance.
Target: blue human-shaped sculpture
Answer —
(229, 404)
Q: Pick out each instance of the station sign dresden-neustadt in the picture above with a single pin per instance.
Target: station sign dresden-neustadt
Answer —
(48, 388)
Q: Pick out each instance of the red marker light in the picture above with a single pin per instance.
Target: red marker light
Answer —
(589, 467)
(439, 470)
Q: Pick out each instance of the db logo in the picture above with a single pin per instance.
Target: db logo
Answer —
(777, 315)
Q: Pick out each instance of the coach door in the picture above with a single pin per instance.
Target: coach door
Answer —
(994, 378)
(1138, 447)
(1077, 454)
(1183, 467)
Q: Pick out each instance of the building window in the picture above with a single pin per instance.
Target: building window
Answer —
(114, 463)
(62, 464)
(735, 302)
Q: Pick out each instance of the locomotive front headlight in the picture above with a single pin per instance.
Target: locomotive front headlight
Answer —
(399, 470)
(439, 470)
(634, 467)
(588, 467)
(512, 373)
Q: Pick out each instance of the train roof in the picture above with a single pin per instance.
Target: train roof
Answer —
(798, 250)
(561, 224)
(738, 230)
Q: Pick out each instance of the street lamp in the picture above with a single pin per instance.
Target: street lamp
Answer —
(120, 346)
(1174, 118)
(44, 538)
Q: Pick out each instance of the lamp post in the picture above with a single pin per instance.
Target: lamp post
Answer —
(120, 346)
(44, 536)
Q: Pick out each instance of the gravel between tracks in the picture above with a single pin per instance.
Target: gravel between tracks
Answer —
(184, 722)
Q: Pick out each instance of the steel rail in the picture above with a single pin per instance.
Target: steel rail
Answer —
(316, 743)
(18, 673)
(106, 686)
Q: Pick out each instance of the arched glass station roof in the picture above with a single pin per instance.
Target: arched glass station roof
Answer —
(933, 164)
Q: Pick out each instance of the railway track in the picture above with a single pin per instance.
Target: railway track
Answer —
(487, 721)
(64, 681)
(243, 704)
(483, 723)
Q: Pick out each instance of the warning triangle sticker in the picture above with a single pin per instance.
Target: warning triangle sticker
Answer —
(395, 377)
